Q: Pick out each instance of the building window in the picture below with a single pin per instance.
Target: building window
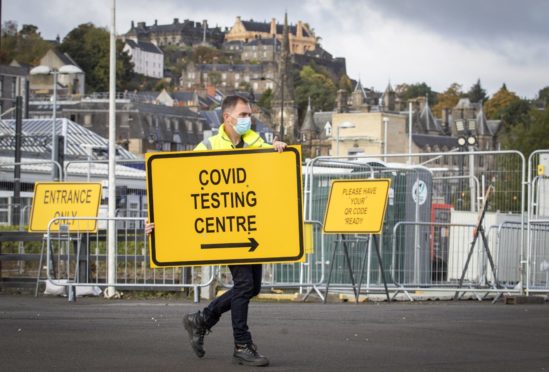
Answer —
(14, 87)
(4, 211)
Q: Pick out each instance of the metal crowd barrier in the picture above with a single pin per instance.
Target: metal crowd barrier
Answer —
(77, 258)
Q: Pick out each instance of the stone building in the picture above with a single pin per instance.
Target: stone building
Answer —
(67, 84)
(301, 38)
(258, 77)
(13, 83)
(147, 58)
(183, 34)
(141, 125)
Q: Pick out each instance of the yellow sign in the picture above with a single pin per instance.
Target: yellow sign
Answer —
(225, 207)
(541, 170)
(59, 199)
(356, 206)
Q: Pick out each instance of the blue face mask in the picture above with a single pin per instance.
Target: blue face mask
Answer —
(243, 125)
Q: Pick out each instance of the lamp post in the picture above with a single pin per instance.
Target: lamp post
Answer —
(63, 70)
(344, 125)
(385, 121)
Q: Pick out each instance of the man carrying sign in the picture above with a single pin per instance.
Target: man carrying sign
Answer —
(234, 133)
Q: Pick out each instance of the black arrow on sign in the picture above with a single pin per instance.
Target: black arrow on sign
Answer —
(252, 244)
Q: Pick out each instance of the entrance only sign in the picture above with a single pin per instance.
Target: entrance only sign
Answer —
(225, 207)
(356, 206)
(63, 199)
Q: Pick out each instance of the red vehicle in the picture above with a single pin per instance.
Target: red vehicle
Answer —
(440, 214)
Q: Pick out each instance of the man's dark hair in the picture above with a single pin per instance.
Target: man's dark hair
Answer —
(231, 101)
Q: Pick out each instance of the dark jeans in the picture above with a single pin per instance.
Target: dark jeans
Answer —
(247, 284)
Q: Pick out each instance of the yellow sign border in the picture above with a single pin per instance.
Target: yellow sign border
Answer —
(33, 207)
(231, 152)
(350, 231)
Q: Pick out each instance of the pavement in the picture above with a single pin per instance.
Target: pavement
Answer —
(95, 334)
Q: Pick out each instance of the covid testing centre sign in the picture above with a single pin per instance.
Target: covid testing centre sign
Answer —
(225, 207)
(65, 201)
(356, 206)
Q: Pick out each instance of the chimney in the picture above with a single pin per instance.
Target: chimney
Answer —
(273, 27)
(133, 25)
(156, 22)
(299, 29)
(341, 101)
(445, 118)
(175, 21)
(205, 27)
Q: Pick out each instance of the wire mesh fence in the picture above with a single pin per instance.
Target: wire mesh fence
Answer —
(432, 213)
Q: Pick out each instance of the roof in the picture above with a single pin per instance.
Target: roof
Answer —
(144, 46)
(41, 170)
(37, 138)
(183, 96)
(234, 67)
(266, 28)
(13, 70)
(428, 121)
(64, 57)
(422, 140)
(268, 42)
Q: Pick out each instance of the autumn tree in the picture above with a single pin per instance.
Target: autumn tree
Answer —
(495, 107)
(448, 99)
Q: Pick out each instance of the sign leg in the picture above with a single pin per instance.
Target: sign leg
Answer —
(350, 267)
(381, 269)
(330, 270)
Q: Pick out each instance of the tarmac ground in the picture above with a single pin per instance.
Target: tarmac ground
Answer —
(95, 334)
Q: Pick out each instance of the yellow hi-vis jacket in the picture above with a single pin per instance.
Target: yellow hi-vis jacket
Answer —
(221, 141)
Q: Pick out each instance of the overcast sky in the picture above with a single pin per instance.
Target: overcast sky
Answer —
(438, 42)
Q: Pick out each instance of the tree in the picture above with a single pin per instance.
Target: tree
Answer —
(89, 46)
(26, 46)
(476, 93)
(543, 96)
(531, 136)
(495, 106)
(345, 83)
(316, 85)
(407, 92)
(266, 99)
(448, 99)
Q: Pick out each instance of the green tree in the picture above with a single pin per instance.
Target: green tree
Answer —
(496, 106)
(26, 46)
(531, 136)
(345, 83)
(411, 91)
(316, 85)
(266, 99)
(448, 99)
(89, 46)
(214, 77)
(476, 93)
(543, 96)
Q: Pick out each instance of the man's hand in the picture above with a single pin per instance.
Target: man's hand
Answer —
(279, 145)
(149, 227)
